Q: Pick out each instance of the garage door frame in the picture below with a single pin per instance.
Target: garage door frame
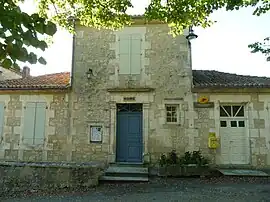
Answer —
(246, 107)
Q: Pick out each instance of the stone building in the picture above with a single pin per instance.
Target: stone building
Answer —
(6, 74)
(132, 96)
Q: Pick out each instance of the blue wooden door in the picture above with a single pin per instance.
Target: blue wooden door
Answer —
(129, 134)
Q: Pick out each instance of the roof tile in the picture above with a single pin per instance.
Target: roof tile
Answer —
(48, 81)
(211, 78)
(201, 79)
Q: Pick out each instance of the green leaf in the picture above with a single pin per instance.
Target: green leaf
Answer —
(23, 55)
(35, 16)
(42, 45)
(16, 66)
(2, 33)
(42, 61)
(40, 28)
(9, 39)
(3, 54)
(50, 28)
(19, 43)
(7, 63)
(32, 58)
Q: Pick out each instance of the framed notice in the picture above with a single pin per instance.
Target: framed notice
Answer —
(96, 134)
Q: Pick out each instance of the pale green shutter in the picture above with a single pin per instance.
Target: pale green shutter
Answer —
(124, 54)
(40, 122)
(29, 123)
(2, 117)
(136, 52)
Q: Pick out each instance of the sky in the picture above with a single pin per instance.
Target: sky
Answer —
(222, 47)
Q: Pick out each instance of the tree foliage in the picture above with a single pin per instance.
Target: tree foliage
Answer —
(19, 30)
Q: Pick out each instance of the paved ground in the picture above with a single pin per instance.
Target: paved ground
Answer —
(205, 190)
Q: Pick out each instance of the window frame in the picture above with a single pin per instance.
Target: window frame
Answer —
(177, 113)
(231, 116)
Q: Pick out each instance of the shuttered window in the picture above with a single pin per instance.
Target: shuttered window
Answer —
(34, 123)
(130, 53)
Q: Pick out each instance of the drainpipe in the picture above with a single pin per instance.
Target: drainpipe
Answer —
(70, 97)
(190, 54)
(190, 37)
(72, 59)
(190, 62)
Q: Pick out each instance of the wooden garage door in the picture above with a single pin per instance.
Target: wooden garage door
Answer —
(233, 134)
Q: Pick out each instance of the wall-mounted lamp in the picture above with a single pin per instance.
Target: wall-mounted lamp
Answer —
(191, 34)
(89, 73)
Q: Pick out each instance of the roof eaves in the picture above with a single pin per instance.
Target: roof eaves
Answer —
(36, 87)
(215, 85)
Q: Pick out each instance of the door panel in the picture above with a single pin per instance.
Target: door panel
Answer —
(129, 137)
(234, 147)
(121, 138)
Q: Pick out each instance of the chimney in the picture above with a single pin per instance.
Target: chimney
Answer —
(26, 72)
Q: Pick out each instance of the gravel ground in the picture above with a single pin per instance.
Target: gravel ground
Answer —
(206, 190)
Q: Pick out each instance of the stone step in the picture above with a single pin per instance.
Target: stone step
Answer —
(130, 173)
(126, 179)
(128, 170)
(127, 174)
(127, 164)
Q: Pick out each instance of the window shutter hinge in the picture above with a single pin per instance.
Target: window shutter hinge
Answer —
(24, 107)
(5, 107)
(46, 107)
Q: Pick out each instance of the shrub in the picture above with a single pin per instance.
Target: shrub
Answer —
(163, 160)
(171, 159)
(194, 157)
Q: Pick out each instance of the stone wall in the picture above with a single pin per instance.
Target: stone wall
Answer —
(165, 79)
(56, 146)
(257, 124)
(9, 74)
(59, 146)
(165, 59)
(203, 123)
(20, 177)
(259, 130)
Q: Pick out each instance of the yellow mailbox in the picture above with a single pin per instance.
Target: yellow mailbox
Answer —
(213, 141)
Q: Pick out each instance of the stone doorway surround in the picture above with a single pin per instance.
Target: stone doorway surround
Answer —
(116, 97)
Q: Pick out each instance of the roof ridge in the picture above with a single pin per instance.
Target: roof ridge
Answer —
(30, 77)
(230, 73)
(52, 74)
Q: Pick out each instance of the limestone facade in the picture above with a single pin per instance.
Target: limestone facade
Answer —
(165, 79)
(256, 130)
(56, 133)
(164, 60)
